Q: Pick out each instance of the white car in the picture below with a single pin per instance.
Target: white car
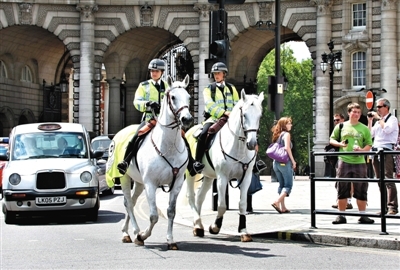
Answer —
(51, 168)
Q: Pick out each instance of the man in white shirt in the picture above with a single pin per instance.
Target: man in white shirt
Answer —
(385, 133)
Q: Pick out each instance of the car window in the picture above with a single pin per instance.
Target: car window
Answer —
(49, 145)
(101, 145)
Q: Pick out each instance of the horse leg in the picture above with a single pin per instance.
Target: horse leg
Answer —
(151, 199)
(198, 229)
(129, 203)
(171, 211)
(216, 227)
(244, 235)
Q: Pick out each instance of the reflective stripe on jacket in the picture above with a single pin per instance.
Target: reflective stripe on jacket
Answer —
(146, 92)
(223, 101)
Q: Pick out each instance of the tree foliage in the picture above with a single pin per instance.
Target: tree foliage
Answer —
(298, 103)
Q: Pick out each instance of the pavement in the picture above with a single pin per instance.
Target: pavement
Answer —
(266, 222)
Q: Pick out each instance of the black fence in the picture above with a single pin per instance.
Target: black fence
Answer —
(378, 179)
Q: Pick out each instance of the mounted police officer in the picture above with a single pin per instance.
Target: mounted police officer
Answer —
(219, 98)
(148, 98)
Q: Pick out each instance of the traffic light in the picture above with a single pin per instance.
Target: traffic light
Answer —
(219, 48)
(218, 37)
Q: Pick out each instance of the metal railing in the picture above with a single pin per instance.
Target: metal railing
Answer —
(378, 179)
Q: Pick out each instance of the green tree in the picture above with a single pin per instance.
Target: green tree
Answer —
(298, 103)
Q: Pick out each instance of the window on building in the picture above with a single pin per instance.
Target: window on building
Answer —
(359, 69)
(359, 15)
(26, 74)
(3, 70)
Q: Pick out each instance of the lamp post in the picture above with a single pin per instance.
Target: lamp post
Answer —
(334, 60)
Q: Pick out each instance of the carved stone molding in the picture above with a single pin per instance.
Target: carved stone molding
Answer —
(354, 41)
(25, 12)
(203, 9)
(389, 5)
(265, 12)
(146, 15)
(324, 7)
(87, 11)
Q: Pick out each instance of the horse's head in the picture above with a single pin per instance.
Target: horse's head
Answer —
(250, 109)
(177, 99)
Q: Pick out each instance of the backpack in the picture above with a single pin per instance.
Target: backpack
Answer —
(213, 87)
(330, 148)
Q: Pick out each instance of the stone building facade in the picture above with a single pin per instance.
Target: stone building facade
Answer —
(85, 39)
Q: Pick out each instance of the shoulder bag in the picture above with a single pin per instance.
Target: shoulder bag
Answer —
(277, 151)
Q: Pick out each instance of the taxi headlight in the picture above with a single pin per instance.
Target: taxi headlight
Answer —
(14, 179)
(86, 177)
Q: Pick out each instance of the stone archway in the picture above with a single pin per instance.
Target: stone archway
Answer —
(6, 120)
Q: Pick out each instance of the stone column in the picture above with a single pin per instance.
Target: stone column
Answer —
(114, 114)
(322, 103)
(203, 79)
(85, 91)
(389, 56)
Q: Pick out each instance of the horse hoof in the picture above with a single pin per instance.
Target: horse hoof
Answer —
(198, 232)
(173, 246)
(210, 229)
(139, 241)
(246, 238)
(126, 239)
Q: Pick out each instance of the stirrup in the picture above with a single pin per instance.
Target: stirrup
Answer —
(198, 167)
(122, 167)
(259, 166)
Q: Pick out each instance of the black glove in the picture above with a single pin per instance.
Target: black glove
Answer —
(154, 106)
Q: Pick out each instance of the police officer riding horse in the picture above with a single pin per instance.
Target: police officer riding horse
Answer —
(147, 99)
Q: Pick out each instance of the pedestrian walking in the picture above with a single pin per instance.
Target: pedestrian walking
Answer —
(385, 132)
(354, 136)
(284, 171)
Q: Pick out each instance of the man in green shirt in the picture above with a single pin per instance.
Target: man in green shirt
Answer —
(355, 137)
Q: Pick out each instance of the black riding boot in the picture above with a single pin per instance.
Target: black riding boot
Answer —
(130, 151)
(201, 144)
(194, 166)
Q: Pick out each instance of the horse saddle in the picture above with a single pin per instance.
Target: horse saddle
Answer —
(146, 128)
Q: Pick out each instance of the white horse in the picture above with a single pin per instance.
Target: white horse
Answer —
(161, 160)
(231, 156)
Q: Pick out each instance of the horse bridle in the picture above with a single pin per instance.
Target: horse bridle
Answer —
(176, 113)
(174, 124)
(241, 138)
(245, 131)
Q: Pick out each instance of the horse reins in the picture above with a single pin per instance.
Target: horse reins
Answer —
(176, 123)
(241, 138)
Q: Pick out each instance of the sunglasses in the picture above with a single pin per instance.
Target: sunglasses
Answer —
(336, 120)
(380, 106)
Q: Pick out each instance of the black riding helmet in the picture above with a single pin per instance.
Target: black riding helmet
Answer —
(157, 64)
(219, 66)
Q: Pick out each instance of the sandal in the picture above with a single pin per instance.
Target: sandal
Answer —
(286, 211)
(276, 208)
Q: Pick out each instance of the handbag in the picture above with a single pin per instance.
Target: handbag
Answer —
(330, 148)
(277, 152)
(255, 184)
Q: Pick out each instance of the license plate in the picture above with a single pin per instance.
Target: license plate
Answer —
(51, 200)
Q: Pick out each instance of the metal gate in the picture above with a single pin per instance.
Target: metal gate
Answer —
(51, 103)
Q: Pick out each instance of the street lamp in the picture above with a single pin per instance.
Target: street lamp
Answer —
(333, 60)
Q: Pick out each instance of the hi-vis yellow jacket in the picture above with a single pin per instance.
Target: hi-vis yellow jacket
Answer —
(145, 92)
(223, 101)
